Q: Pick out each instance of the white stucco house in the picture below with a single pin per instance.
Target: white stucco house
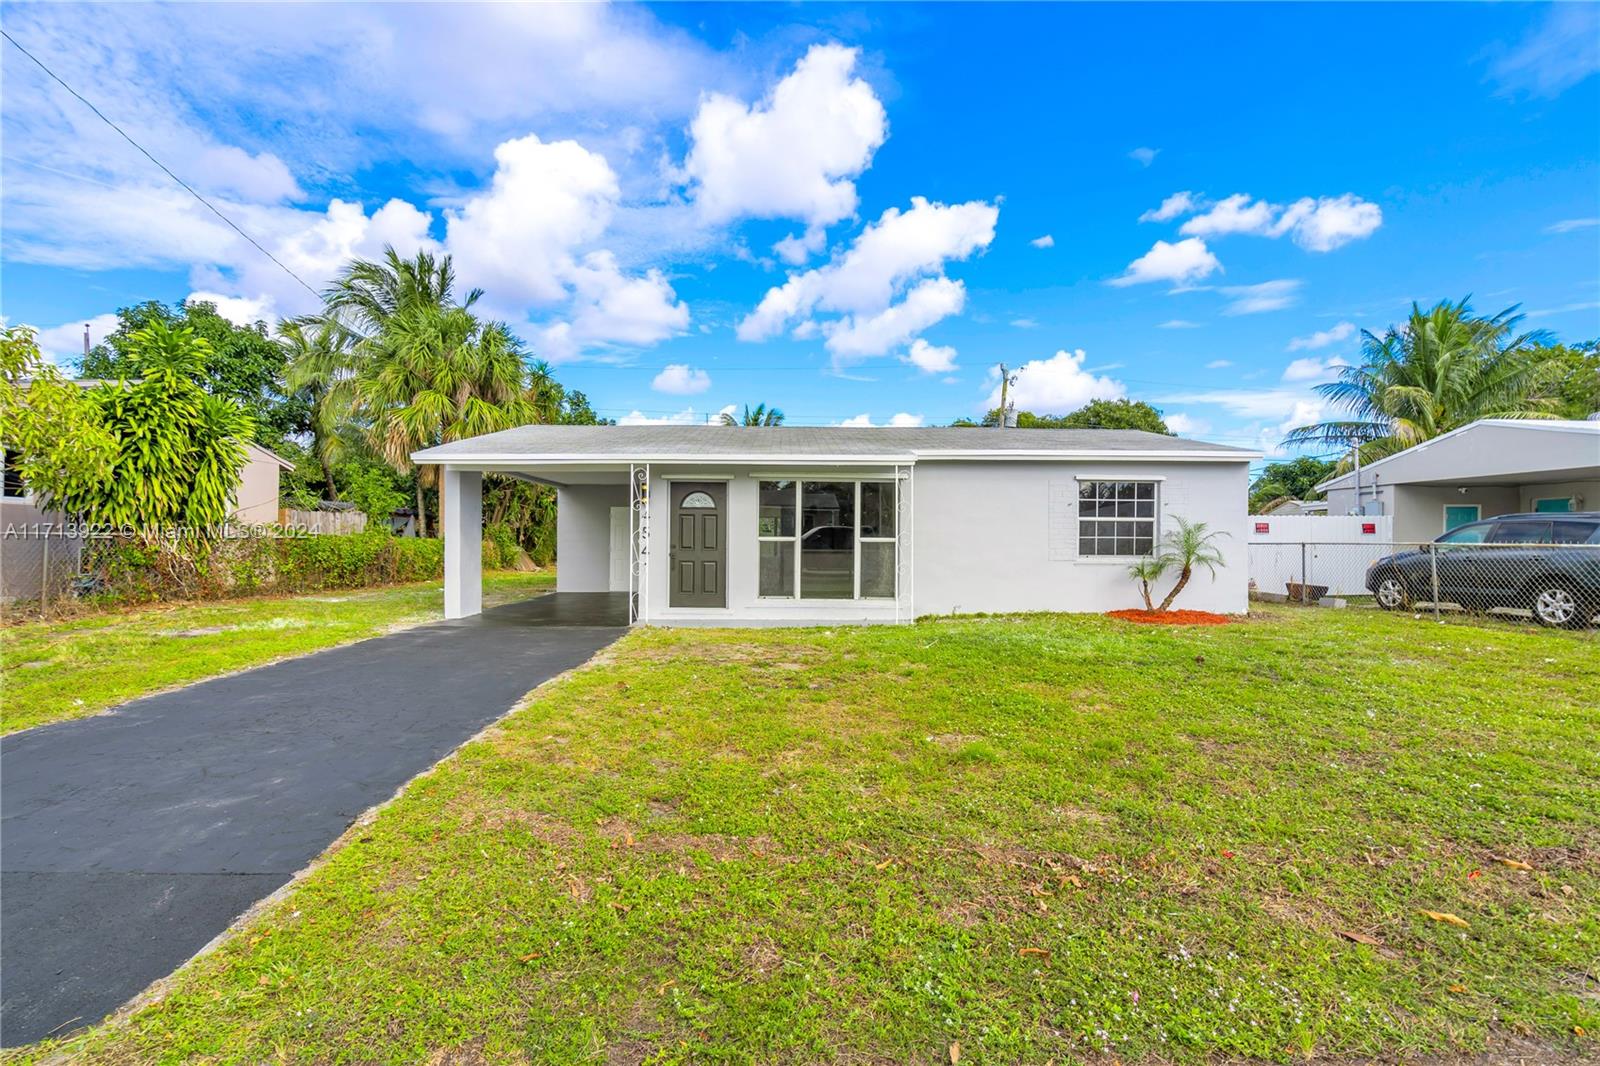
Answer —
(710, 525)
(1493, 466)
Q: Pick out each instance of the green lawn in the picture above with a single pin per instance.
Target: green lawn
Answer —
(51, 671)
(1040, 838)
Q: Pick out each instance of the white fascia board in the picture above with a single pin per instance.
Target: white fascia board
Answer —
(975, 455)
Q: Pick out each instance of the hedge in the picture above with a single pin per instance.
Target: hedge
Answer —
(126, 571)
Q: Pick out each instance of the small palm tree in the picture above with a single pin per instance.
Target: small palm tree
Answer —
(321, 367)
(1148, 571)
(1188, 546)
(760, 415)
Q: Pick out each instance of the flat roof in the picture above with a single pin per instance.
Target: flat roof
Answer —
(546, 444)
(1500, 459)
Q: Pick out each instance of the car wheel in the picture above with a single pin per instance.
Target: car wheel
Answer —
(1392, 594)
(1555, 604)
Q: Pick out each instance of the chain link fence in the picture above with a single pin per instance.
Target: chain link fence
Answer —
(1555, 585)
(40, 571)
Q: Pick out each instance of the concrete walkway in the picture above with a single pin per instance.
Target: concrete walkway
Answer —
(129, 840)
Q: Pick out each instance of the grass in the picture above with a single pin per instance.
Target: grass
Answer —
(53, 671)
(1038, 837)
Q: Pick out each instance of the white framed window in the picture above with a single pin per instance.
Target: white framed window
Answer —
(1116, 518)
(826, 540)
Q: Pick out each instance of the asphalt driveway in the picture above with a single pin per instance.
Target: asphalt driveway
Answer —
(129, 840)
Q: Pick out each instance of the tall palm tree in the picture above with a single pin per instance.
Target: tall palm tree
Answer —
(367, 293)
(321, 368)
(438, 374)
(760, 415)
(1442, 370)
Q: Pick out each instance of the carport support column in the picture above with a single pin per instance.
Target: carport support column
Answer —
(463, 542)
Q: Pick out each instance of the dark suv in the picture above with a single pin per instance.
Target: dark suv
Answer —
(1545, 563)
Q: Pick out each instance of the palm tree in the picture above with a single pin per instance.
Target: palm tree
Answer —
(320, 366)
(761, 415)
(438, 374)
(367, 295)
(1188, 546)
(1442, 370)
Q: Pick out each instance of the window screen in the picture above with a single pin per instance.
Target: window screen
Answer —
(1116, 517)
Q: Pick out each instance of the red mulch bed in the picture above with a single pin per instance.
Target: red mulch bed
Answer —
(1172, 618)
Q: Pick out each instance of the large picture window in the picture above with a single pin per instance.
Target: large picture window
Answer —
(827, 540)
(1116, 518)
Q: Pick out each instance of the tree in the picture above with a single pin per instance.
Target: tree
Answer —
(320, 370)
(1578, 378)
(242, 363)
(368, 294)
(1189, 546)
(1096, 414)
(1297, 479)
(1443, 370)
(53, 436)
(435, 375)
(760, 415)
(180, 449)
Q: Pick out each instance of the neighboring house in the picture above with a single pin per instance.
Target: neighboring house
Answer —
(1494, 466)
(24, 522)
(1288, 506)
(732, 525)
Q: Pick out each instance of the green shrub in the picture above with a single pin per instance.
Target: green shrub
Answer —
(500, 548)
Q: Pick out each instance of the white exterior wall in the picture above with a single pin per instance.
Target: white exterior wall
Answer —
(987, 540)
(745, 605)
(583, 536)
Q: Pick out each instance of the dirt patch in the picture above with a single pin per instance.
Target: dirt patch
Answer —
(1172, 618)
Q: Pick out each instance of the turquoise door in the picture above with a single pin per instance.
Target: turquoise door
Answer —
(1556, 506)
(1459, 515)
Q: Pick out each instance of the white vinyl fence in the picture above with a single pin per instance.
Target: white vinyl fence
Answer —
(1330, 550)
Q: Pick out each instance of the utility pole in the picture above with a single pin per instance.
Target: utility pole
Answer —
(86, 340)
(1006, 381)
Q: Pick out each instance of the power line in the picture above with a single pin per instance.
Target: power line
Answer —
(164, 168)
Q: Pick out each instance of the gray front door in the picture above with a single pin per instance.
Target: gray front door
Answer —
(698, 526)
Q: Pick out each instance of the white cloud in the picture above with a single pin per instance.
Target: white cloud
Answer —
(610, 308)
(903, 252)
(1561, 52)
(686, 417)
(1219, 364)
(929, 302)
(1025, 323)
(1234, 214)
(1046, 241)
(793, 154)
(1317, 225)
(903, 420)
(1144, 156)
(1178, 323)
(1056, 385)
(1265, 296)
(1179, 203)
(241, 311)
(517, 238)
(1311, 368)
(63, 344)
(1185, 425)
(1182, 263)
(796, 250)
(1329, 222)
(680, 379)
(1567, 225)
(930, 358)
(1323, 337)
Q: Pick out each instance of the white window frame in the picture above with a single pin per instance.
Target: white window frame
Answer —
(1155, 518)
(856, 538)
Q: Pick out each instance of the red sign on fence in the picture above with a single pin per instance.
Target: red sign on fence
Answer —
(1369, 527)
(1263, 527)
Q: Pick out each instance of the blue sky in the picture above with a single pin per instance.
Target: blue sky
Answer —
(840, 210)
